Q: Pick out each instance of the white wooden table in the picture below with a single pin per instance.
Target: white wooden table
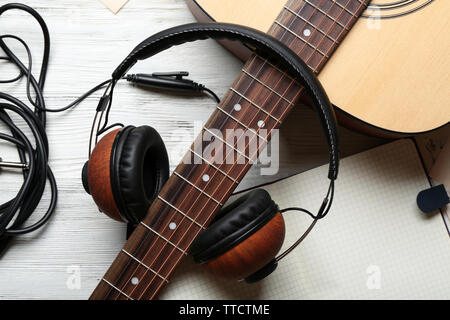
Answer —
(88, 42)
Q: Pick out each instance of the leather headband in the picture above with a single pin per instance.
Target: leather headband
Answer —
(265, 46)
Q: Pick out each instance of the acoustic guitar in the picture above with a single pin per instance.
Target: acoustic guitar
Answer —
(261, 91)
(391, 74)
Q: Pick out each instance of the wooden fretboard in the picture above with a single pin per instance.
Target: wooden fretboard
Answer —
(260, 98)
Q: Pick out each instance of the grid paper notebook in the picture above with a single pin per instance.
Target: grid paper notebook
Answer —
(374, 243)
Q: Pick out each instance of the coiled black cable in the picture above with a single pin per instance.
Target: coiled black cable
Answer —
(15, 212)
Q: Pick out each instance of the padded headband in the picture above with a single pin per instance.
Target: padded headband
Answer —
(266, 46)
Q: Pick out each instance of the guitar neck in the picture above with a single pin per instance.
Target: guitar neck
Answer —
(255, 105)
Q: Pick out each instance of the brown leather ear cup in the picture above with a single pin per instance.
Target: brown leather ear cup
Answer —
(245, 236)
(99, 176)
(140, 167)
(127, 169)
(252, 254)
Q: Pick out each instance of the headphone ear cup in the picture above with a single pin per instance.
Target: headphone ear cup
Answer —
(140, 167)
(244, 238)
(99, 176)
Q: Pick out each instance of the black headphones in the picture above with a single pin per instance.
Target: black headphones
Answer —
(129, 166)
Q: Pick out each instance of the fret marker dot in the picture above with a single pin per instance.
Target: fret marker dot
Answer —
(306, 32)
(260, 123)
(172, 225)
(134, 281)
(237, 107)
(205, 177)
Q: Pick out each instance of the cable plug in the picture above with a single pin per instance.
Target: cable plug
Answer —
(13, 165)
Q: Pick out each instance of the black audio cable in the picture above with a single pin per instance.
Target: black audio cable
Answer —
(34, 159)
(33, 150)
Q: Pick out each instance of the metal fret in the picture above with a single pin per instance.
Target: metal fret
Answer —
(268, 87)
(312, 25)
(212, 165)
(186, 180)
(277, 68)
(120, 291)
(254, 104)
(305, 41)
(144, 265)
(348, 11)
(181, 212)
(326, 14)
(242, 154)
(164, 238)
(241, 123)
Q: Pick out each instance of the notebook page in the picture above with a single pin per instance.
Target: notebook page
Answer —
(374, 244)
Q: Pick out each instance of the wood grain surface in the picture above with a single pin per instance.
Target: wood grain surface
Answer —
(88, 42)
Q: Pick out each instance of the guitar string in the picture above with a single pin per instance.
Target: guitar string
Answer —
(308, 59)
(277, 103)
(353, 16)
(241, 171)
(228, 98)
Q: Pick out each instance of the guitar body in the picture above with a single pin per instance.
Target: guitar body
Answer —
(390, 76)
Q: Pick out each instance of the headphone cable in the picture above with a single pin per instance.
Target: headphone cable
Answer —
(322, 212)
